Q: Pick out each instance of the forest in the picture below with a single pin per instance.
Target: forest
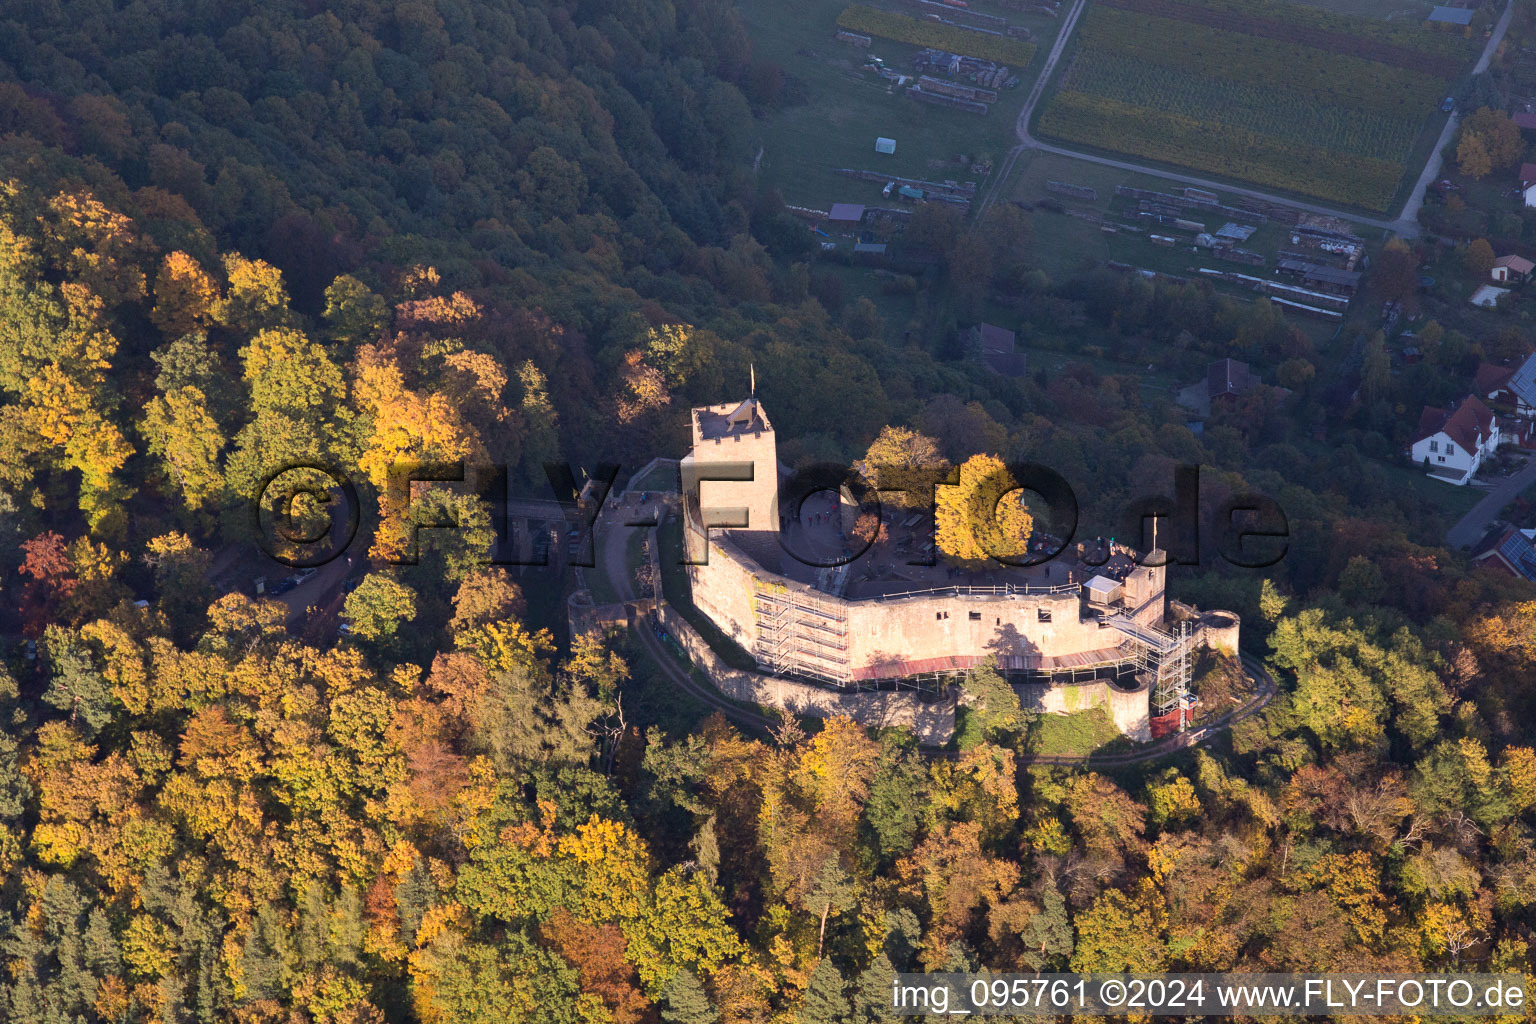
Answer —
(234, 235)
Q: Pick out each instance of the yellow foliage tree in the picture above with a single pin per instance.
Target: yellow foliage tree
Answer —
(982, 516)
(186, 296)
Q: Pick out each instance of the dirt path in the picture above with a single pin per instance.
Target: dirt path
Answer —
(1405, 223)
(614, 562)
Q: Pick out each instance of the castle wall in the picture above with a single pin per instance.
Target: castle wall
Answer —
(1128, 709)
(723, 590)
(932, 723)
(919, 628)
(949, 625)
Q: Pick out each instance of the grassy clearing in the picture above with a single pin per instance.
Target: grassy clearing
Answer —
(1074, 735)
(662, 477)
(1453, 502)
(845, 108)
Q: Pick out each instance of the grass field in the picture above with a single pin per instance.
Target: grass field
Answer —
(1295, 98)
(847, 108)
(1077, 734)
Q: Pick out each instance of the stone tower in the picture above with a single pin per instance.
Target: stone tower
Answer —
(733, 469)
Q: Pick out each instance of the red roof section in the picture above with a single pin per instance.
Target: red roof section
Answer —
(1467, 426)
(1523, 120)
(1491, 377)
(1527, 174)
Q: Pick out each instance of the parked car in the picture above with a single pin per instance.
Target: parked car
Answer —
(282, 586)
(1448, 105)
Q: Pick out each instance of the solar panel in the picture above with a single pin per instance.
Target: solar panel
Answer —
(1523, 383)
(1517, 549)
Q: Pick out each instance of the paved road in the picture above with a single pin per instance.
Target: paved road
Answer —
(1469, 529)
(1405, 224)
(1021, 126)
(1410, 211)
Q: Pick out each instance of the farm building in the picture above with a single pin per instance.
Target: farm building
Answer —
(1450, 16)
(997, 347)
(845, 215)
(1488, 296)
(1511, 268)
(884, 145)
(1453, 442)
(1331, 279)
(1224, 381)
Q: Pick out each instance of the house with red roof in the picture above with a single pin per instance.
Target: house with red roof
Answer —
(1453, 442)
(1528, 183)
(1511, 269)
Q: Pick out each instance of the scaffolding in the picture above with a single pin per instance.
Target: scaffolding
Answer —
(1168, 657)
(800, 634)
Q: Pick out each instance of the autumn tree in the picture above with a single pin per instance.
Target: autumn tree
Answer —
(378, 607)
(1478, 256)
(982, 515)
(1496, 133)
(904, 465)
(1397, 269)
(186, 296)
(1472, 156)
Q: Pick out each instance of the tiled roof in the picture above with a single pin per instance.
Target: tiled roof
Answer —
(1491, 378)
(1467, 426)
(1229, 377)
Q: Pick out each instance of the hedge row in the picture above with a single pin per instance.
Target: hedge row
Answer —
(890, 25)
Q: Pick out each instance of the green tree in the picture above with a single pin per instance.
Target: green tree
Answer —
(824, 1002)
(378, 607)
(353, 314)
(684, 1001)
(991, 703)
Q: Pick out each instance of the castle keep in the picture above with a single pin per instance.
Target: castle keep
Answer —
(1093, 629)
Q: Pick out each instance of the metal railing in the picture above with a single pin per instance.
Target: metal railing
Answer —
(989, 590)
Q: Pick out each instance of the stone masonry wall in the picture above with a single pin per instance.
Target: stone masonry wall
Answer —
(933, 724)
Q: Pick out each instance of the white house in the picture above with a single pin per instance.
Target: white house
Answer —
(1528, 183)
(1511, 269)
(1454, 442)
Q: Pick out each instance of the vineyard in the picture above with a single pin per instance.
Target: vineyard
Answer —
(1401, 44)
(898, 27)
(1225, 86)
(1223, 149)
